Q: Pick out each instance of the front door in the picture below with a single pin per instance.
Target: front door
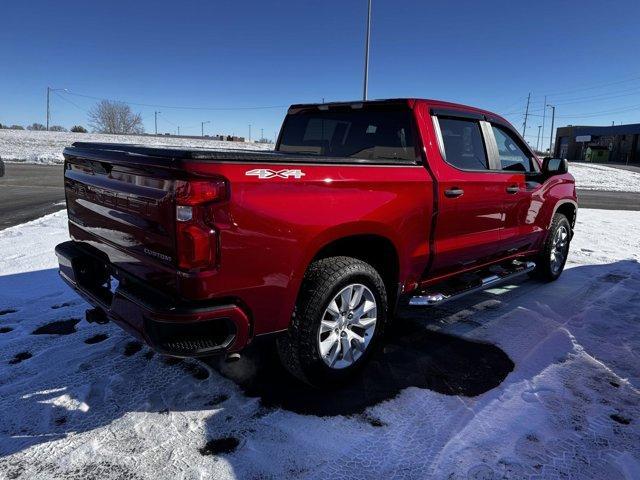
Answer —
(521, 198)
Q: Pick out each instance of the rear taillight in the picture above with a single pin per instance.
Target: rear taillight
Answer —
(197, 241)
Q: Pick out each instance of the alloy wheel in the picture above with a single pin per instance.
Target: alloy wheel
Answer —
(559, 248)
(347, 326)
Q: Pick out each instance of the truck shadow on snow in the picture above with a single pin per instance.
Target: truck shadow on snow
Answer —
(413, 356)
(78, 386)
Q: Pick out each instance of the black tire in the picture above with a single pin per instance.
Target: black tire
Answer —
(545, 269)
(298, 348)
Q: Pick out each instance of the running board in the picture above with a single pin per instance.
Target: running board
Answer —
(437, 296)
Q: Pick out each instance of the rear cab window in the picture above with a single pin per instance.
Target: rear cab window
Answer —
(374, 132)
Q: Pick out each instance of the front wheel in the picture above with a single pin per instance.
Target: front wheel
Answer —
(338, 321)
(550, 263)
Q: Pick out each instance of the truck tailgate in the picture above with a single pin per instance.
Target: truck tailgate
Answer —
(123, 206)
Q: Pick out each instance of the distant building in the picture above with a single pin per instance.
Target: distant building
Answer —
(615, 144)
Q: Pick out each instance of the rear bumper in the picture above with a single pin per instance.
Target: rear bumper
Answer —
(169, 326)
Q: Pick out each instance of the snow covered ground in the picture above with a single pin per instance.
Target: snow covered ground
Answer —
(601, 177)
(85, 401)
(46, 147)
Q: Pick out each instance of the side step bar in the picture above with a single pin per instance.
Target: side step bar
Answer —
(435, 297)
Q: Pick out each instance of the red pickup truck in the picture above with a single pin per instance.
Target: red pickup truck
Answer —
(362, 206)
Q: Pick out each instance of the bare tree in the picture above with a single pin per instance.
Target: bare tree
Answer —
(114, 117)
(38, 127)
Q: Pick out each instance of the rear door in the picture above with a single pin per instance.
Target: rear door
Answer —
(470, 195)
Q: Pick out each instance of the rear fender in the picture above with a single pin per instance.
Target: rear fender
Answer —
(339, 232)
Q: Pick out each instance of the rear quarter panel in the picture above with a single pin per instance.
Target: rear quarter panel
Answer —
(271, 229)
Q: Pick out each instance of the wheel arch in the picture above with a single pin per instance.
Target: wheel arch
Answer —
(569, 209)
(377, 250)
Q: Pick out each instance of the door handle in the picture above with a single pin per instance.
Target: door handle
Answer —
(453, 192)
(513, 189)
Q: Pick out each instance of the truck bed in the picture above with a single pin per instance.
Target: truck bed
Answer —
(175, 155)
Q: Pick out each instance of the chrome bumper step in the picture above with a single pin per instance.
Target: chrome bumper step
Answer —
(437, 296)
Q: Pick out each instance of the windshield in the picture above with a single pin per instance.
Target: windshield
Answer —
(369, 133)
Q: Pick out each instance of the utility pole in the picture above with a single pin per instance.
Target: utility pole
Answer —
(262, 134)
(544, 115)
(156, 120)
(249, 132)
(366, 54)
(526, 115)
(538, 141)
(202, 126)
(553, 118)
(48, 91)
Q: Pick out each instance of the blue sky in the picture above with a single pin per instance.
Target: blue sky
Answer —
(240, 54)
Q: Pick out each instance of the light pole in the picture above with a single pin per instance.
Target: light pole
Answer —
(366, 54)
(156, 120)
(202, 126)
(49, 90)
(553, 118)
(538, 141)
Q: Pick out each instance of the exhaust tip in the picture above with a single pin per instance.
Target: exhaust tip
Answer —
(232, 357)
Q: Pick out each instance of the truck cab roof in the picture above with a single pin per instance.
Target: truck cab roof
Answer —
(403, 101)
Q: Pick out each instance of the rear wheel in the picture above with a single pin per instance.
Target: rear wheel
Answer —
(550, 263)
(338, 321)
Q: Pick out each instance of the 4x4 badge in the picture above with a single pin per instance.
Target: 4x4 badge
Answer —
(264, 173)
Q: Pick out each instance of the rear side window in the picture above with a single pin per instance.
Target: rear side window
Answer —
(463, 144)
(512, 156)
(368, 133)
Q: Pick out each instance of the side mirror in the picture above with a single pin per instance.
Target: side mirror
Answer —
(554, 166)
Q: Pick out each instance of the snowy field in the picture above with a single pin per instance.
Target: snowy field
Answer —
(85, 401)
(601, 177)
(46, 147)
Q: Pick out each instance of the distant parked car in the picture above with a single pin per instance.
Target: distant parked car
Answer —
(1, 168)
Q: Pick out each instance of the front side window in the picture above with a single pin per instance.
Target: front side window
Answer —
(373, 133)
(512, 157)
(463, 144)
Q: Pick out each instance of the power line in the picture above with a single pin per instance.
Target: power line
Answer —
(72, 103)
(595, 114)
(596, 86)
(593, 87)
(587, 97)
(594, 98)
(178, 107)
